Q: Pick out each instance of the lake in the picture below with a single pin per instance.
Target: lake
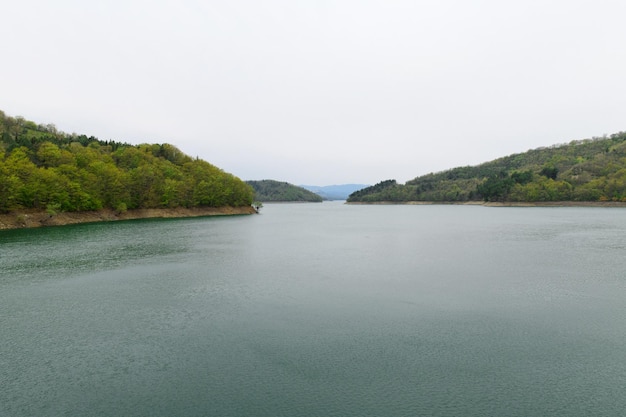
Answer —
(319, 310)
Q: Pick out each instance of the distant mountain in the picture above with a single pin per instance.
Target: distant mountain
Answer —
(334, 192)
(270, 190)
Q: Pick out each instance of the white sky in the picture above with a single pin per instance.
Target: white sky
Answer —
(320, 92)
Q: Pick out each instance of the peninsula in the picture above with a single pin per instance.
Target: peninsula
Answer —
(48, 177)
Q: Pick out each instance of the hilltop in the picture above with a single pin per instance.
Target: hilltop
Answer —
(589, 170)
(275, 191)
(45, 170)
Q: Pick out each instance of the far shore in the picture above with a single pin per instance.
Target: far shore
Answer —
(502, 204)
(38, 218)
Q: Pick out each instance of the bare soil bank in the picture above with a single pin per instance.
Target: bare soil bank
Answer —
(25, 219)
(510, 204)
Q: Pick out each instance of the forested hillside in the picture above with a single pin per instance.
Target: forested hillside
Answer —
(582, 170)
(42, 168)
(270, 190)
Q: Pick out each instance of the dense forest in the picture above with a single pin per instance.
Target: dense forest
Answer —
(582, 170)
(270, 190)
(43, 168)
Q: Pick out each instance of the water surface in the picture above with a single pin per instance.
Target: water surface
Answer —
(319, 310)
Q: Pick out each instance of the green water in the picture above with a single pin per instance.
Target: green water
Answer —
(319, 310)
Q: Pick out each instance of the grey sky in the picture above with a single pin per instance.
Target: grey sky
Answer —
(321, 92)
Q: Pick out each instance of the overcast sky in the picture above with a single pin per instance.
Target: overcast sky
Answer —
(320, 92)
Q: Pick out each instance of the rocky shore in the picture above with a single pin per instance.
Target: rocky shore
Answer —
(33, 218)
(503, 204)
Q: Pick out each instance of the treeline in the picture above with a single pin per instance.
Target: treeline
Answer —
(42, 168)
(582, 170)
(270, 190)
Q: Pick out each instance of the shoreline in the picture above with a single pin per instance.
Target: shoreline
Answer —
(501, 204)
(27, 219)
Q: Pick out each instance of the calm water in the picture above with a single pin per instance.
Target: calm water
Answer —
(319, 310)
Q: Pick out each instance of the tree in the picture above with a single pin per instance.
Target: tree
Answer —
(49, 154)
(549, 171)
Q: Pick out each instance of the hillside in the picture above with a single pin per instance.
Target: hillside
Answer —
(581, 170)
(274, 191)
(44, 169)
(334, 192)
